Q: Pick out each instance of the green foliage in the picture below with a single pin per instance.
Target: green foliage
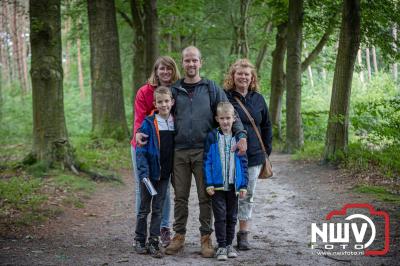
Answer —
(310, 151)
(38, 169)
(105, 154)
(387, 160)
(16, 124)
(378, 121)
(21, 193)
(378, 192)
(378, 17)
(75, 183)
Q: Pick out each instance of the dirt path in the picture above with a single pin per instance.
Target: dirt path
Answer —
(286, 205)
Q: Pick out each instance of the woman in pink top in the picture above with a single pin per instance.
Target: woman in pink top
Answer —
(165, 72)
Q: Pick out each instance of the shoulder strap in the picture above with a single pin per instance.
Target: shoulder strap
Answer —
(212, 93)
(252, 123)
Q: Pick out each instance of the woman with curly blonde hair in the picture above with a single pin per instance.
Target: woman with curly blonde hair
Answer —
(241, 84)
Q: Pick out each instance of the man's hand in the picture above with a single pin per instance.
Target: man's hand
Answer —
(141, 139)
(242, 194)
(210, 191)
(241, 146)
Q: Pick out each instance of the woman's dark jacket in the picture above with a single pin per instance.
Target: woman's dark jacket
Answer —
(257, 107)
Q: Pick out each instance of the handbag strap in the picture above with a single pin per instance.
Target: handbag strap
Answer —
(252, 123)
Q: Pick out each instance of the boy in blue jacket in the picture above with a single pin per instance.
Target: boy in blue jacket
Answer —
(225, 174)
(154, 162)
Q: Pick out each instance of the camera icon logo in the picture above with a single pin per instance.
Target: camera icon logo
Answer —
(353, 233)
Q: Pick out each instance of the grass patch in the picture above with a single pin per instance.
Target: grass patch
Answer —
(311, 151)
(386, 160)
(21, 201)
(378, 192)
(75, 183)
(104, 154)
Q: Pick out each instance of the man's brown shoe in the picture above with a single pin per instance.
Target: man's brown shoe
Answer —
(207, 250)
(177, 244)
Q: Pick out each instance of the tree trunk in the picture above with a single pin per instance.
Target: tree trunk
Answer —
(67, 48)
(9, 30)
(82, 93)
(337, 132)
(263, 49)
(108, 112)
(50, 138)
(394, 66)
(374, 61)
(151, 26)
(368, 59)
(278, 81)
(240, 46)
(24, 53)
(139, 63)
(3, 44)
(294, 130)
(359, 59)
(309, 70)
(1, 86)
(17, 47)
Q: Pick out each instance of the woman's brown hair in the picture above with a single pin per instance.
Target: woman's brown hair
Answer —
(167, 61)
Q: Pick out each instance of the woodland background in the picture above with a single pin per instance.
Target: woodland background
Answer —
(70, 70)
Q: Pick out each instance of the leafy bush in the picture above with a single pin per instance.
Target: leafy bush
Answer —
(378, 121)
(310, 151)
(387, 159)
(21, 194)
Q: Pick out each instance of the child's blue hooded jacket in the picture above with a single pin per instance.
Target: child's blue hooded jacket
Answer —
(213, 169)
(148, 156)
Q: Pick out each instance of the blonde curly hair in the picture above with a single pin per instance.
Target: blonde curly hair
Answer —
(229, 82)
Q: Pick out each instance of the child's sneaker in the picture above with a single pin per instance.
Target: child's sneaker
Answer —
(154, 248)
(140, 247)
(221, 254)
(232, 253)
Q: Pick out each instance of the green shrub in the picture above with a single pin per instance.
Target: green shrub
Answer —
(387, 159)
(378, 192)
(75, 183)
(310, 151)
(20, 194)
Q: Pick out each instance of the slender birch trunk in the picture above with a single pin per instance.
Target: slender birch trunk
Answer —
(368, 59)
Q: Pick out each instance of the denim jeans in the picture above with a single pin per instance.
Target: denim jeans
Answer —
(246, 204)
(151, 204)
(166, 209)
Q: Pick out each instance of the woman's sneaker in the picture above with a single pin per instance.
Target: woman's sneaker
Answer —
(165, 234)
(232, 253)
(154, 249)
(221, 254)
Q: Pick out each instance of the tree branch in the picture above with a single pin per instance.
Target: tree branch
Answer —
(125, 17)
(314, 54)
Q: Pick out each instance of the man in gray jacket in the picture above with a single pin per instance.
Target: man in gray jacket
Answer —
(195, 103)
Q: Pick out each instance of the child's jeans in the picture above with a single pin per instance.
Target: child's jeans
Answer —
(166, 209)
(153, 204)
(225, 208)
